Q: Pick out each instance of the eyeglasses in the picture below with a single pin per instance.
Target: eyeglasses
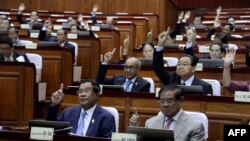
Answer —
(183, 65)
(86, 90)
(130, 68)
(168, 101)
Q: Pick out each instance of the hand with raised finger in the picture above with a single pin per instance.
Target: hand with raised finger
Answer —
(57, 96)
(134, 120)
(162, 38)
(21, 7)
(108, 56)
(186, 16)
(95, 8)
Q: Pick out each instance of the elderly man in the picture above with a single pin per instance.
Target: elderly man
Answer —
(184, 70)
(130, 80)
(87, 119)
(33, 16)
(172, 117)
(7, 52)
(13, 34)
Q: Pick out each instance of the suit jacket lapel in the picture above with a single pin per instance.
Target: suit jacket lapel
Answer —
(195, 81)
(180, 124)
(1, 58)
(75, 117)
(94, 121)
(135, 85)
(159, 122)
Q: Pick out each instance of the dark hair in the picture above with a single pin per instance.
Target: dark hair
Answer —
(194, 60)
(199, 15)
(231, 27)
(64, 32)
(222, 37)
(147, 43)
(6, 40)
(178, 91)
(222, 49)
(95, 85)
(229, 17)
(16, 30)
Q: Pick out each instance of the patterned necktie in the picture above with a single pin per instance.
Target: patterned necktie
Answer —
(128, 83)
(80, 127)
(168, 123)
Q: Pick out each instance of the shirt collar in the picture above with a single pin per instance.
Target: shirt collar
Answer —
(189, 81)
(62, 44)
(89, 111)
(176, 116)
(11, 57)
(132, 80)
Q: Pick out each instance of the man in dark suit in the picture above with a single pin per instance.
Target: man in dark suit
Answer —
(87, 119)
(184, 70)
(33, 16)
(7, 52)
(45, 35)
(130, 80)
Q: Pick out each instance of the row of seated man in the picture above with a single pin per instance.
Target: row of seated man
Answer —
(90, 119)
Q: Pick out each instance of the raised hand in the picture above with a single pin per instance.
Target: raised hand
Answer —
(162, 37)
(125, 46)
(95, 8)
(229, 58)
(191, 35)
(218, 10)
(57, 96)
(150, 35)
(47, 23)
(21, 7)
(180, 17)
(108, 56)
(186, 16)
(134, 120)
(80, 18)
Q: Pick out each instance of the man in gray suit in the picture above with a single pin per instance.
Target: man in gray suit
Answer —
(172, 117)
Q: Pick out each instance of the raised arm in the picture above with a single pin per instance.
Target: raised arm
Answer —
(229, 58)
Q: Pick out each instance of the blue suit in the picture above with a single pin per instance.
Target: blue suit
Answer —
(103, 125)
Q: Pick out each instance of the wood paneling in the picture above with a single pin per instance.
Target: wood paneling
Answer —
(17, 92)
(163, 8)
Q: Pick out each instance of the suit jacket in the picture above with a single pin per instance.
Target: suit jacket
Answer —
(15, 56)
(140, 85)
(42, 37)
(103, 125)
(186, 129)
(172, 78)
(19, 18)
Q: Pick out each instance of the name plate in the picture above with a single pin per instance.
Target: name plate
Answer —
(242, 96)
(41, 133)
(204, 49)
(123, 137)
(34, 35)
(95, 28)
(72, 36)
(179, 38)
(57, 27)
(199, 67)
(31, 46)
(25, 26)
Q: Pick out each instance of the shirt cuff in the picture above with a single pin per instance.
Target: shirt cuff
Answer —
(189, 45)
(44, 28)
(158, 48)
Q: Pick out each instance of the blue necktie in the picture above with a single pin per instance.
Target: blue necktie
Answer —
(80, 127)
(127, 86)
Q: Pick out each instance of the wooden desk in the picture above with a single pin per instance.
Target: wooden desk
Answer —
(57, 66)
(219, 110)
(25, 136)
(17, 92)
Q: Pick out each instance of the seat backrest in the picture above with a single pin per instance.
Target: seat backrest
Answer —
(215, 86)
(170, 61)
(200, 117)
(76, 50)
(152, 84)
(38, 61)
(115, 113)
